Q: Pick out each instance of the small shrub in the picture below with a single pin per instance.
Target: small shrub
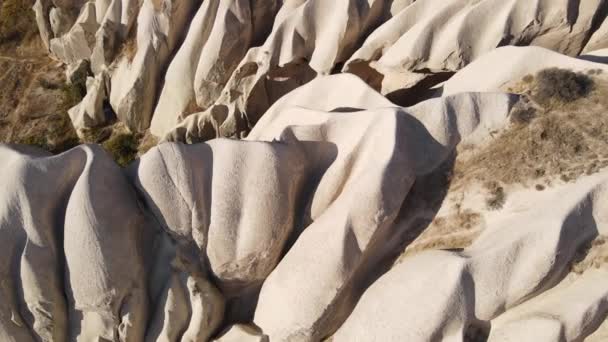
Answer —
(122, 147)
(497, 197)
(46, 84)
(562, 85)
(129, 47)
(522, 115)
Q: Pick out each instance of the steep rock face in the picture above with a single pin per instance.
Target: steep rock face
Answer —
(517, 62)
(54, 232)
(220, 34)
(77, 43)
(546, 317)
(135, 77)
(430, 37)
(212, 68)
(308, 39)
(234, 201)
(293, 232)
(515, 258)
(90, 112)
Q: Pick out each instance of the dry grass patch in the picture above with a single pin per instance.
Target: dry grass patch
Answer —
(563, 133)
(129, 46)
(17, 23)
(454, 231)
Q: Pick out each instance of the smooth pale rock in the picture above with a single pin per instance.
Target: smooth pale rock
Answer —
(219, 36)
(117, 21)
(105, 277)
(190, 309)
(235, 200)
(399, 5)
(41, 9)
(61, 20)
(516, 62)
(285, 61)
(323, 285)
(134, 81)
(90, 112)
(78, 43)
(335, 93)
(508, 264)
(104, 280)
(312, 207)
(599, 39)
(30, 255)
(568, 312)
(434, 36)
(242, 333)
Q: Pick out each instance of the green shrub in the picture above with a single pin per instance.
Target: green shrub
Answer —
(122, 147)
(561, 85)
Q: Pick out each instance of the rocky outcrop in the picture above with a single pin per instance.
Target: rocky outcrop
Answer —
(91, 111)
(197, 70)
(517, 62)
(514, 257)
(432, 37)
(338, 215)
(293, 230)
(78, 42)
(209, 55)
(136, 74)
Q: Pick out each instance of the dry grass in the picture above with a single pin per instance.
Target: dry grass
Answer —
(454, 231)
(560, 139)
(497, 196)
(17, 23)
(129, 46)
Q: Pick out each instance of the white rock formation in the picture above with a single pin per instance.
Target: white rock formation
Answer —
(90, 111)
(135, 78)
(242, 333)
(78, 42)
(192, 71)
(516, 62)
(515, 258)
(285, 61)
(291, 234)
(434, 36)
(220, 34)
(312, 208)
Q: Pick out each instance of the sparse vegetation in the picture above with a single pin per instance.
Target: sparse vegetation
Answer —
(547, 140)
(497, 196)
(123, 147)
(561, 86)
(522, 114)
(129, 46)
(17, 21)
(457, 230)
